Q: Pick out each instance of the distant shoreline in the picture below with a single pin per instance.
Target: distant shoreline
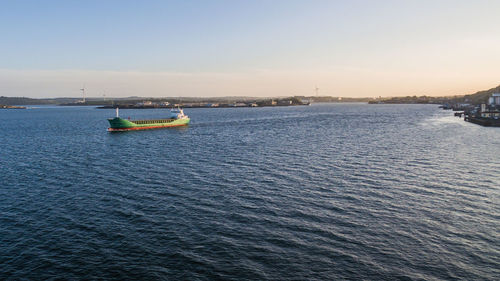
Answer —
(2, 106)
(126, 106)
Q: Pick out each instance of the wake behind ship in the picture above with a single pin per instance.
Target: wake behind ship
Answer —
(177, 118)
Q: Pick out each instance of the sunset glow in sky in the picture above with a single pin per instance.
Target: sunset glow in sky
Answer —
(251, 48)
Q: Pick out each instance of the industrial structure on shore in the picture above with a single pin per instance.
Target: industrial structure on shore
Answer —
(487, 114)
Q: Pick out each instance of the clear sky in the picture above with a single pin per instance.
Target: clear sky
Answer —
(253, 48)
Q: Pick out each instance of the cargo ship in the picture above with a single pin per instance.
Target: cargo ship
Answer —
(177, 118)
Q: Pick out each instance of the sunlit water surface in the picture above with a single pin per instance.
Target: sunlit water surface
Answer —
(326, 192)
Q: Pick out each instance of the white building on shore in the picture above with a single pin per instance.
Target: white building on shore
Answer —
(494, 99)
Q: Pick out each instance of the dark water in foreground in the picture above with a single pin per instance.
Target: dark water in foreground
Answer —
(323, 192)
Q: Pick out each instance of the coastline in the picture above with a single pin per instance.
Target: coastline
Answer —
(2, 106)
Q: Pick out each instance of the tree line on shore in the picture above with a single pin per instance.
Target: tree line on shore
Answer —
(476, 98)
(172, 100)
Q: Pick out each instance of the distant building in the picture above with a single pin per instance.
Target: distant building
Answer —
(144, 103)
(494, 99)
(285, 102)
(491, 110)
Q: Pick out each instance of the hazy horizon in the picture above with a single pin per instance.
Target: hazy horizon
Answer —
(255, 48)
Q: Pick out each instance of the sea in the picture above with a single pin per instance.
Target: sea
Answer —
(345, 191)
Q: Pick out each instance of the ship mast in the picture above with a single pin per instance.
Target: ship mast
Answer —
(117, 112)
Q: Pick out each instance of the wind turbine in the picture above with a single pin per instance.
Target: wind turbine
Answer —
(83, 93)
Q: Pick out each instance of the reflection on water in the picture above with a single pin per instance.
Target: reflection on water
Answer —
(327, 192)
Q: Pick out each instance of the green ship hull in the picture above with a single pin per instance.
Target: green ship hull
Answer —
(118, 124)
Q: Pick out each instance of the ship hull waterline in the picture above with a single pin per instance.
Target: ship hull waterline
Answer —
(122, 125)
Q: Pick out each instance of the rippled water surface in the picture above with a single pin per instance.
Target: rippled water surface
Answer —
(326, 192)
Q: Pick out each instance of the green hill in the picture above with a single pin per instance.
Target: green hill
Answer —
(481, 96)
(476, 98)
(30, 101)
